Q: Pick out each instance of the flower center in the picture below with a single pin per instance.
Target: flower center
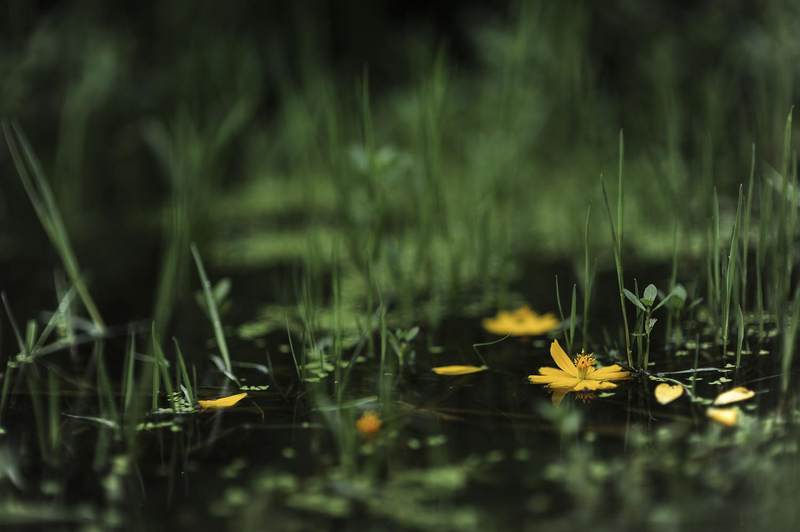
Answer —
(584, 362)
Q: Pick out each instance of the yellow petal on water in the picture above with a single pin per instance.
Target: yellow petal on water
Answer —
(458, 370)
(734, 395)
(222, 402)
(724, 416)
(666, 393)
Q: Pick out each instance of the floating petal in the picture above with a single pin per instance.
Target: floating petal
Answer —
(734, 395)
(458, 370)
(666, 393)
(222, 402)
(724, 416)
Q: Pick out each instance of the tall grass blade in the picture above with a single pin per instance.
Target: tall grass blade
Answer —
(41, 197)
(615, 243)
(213, 312)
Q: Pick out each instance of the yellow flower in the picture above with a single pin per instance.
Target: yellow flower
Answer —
(520, 322)
(577, 376)
(368, 424)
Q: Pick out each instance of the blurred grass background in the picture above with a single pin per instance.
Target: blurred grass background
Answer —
(422, 149)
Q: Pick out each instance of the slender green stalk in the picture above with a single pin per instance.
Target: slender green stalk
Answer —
(573, 313)
(790, 341)
(761, 246)
(184, 373)
(44, 204)
(748, 210)
(105, 392)
(386, 373)
(587, 280)
(213, 312)
(716, 251)
(673, 276)
(567, 330)
(53, 395)
(615, 241)
(294, 356)
(8, 380)
(620, 191)
(38, 416)
(740, 331)
(128, 383)
(730, 273)
(161, 364)
(23, 346)
(696, 361)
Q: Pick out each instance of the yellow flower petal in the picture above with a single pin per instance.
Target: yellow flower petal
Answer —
(605, 371)
(553, 371)
(724, 416)
(222, 402)
(567, 383)
(458, 370)
(608, 376)
(666, 393)
(734, 395)
(543, 379)
(552, 375)
(561, 359)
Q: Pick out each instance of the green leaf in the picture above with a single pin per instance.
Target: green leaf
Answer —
(633, 299)
(650, 294)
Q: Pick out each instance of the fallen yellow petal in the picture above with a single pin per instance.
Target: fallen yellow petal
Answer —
(222, 402)
(458, 370)
(724, 416)
(666, 393)
(734, 395)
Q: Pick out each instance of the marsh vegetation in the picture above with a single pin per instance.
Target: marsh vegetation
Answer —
(498, 274)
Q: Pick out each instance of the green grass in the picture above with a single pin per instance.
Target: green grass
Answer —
(44, 205)
(616, 246)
